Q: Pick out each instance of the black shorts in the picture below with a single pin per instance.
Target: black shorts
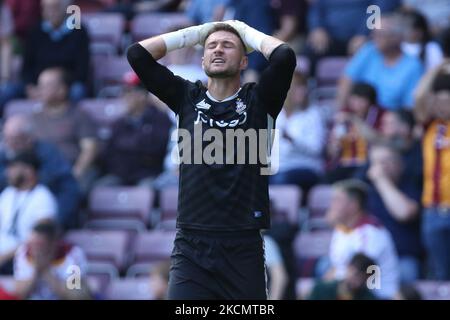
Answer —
(217, 265)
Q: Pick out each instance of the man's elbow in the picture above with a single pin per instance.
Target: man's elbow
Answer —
(288, 57)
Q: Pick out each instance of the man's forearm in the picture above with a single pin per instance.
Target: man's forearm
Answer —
(160, 45)
(398, 204)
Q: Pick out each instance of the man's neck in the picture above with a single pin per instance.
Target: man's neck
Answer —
(391, 56)
(353, 220)
(222, 88)
(27, 186)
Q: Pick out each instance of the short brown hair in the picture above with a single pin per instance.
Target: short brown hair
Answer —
(225, 27)
(355, 189)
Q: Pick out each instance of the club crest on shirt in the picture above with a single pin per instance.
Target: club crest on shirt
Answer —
(240, 106)
(203, 105)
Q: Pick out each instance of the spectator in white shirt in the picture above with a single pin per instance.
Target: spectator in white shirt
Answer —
(23, 203)
(357, 232)
(47, 268)
(301, 134)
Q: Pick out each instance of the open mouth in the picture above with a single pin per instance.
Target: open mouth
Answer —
(218, 60)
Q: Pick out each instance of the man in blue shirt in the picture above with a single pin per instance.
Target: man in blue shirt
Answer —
(382, 64)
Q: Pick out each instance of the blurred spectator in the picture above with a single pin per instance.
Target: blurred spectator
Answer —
(276, 270)
(383, 65)
(53, 44)
(6, 32)
(46, 268)
(291, 16)
(22, 203)
(328, 36)
(436, 188)
(203, 11)
(302, 131)
(352, 130)
(408, 292)
(26, 15)
(157, 5)
(55, 171)
(159, 280)
(423, 94)
(418, 40)
(64, 125)
(261, 16)
(357, 232)
(436, 11)
(137, 147)
(352, 287)
(129, 8)
(397, 128)
(396, 203)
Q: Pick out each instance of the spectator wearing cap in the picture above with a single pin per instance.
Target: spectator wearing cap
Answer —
(55, 171)
(352, 131)
(135, 152)
(355, 231)
(66, 126)
(22, 203)
(44, 264)
(383, 65)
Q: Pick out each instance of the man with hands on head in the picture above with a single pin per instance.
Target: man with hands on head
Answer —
(219, 252)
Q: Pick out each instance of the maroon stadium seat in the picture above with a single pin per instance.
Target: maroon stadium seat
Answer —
(105, 31)
(109, 247)
(434, 290)
(319, 200)
(123, 204)
(150, 24)
(22, 106)
(169, 203)
(104, 112)
(109, 71)
(285, 200)
(129, 289)
(329, 70)
(308, 248)
(153, 246)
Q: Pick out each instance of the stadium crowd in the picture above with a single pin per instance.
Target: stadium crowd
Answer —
(86, 165)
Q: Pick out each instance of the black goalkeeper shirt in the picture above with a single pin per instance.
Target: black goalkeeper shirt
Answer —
(222, 186)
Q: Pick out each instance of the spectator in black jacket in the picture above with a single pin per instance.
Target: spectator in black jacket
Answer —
(55, 42)
(135, 153)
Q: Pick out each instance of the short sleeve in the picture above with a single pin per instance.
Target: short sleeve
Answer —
(357, 65)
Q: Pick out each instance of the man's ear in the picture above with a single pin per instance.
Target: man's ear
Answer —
(203, 63)
(244, 63)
